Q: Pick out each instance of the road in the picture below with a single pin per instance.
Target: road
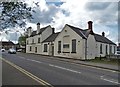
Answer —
(56, 72)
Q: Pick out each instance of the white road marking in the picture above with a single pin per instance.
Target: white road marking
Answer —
(21, 57)
(34, 61)
(65, 68)
(109, 80)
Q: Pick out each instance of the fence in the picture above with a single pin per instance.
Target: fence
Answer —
(113, 56)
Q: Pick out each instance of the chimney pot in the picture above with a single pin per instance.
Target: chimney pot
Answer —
(53, 30)
(38, 27)
(29, 30)
(103, 34)
(90, 25)
(38, 23)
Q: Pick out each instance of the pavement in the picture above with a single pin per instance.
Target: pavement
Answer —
(89, 63)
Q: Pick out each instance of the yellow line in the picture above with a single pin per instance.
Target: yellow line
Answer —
(28, 73)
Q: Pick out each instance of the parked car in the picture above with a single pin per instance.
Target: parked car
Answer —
(2, 50)
(19, 50)
(12, 51)
(117, 53)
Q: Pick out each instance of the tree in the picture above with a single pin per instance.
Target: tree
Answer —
(22, 40)
(14, 14)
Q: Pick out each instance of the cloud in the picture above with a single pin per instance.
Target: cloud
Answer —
(44, 16)
(77, 13)
(95, 6)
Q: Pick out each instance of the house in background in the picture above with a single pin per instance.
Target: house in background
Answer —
(36, 41)
(71, 42)
(7, 44)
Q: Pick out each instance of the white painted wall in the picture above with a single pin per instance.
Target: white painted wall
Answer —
(104, 49)
(91, 47)
(45, 34)
(79, 44)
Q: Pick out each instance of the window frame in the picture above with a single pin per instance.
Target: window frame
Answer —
(59, 46)
(73, 48)
(45, 48)
(30, 48)
(39, 40)
(101, 50)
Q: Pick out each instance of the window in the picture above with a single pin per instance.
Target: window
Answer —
(38, 40)
(106, 50)
(45, 47)
(30, 48)
(114, 49)
(110, 49)
(100, 48)
(36, 49)
(59, 46)
(27, 42)
(65, 45)
(74, 46)
(32, 41)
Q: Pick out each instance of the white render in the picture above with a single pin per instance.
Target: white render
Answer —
(91, 49)
(45, 34)
(79, 44)
(87, 48)
(104, 49)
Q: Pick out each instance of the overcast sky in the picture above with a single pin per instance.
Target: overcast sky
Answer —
(57, 13)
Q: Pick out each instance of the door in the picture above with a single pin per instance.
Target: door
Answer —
(52, 50)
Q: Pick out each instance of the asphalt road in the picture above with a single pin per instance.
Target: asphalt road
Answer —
(56, 72)
(12, 76)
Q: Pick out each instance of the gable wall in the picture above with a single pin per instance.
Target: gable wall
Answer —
(79, 44)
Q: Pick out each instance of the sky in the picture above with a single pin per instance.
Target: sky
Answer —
(57, 13)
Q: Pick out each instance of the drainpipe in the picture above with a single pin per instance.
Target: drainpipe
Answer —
(85, 49)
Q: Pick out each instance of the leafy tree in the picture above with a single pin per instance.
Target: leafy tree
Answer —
(14, 14)
(22, 40)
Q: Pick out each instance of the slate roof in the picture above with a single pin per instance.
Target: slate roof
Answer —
(84, 34)
(100, 38)
(51, 37)
(41, 30)
(33, 33)
(7, 43)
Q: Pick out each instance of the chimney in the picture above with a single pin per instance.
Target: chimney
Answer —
(103, 34)
(90, 27)
(29, 31)
(53, 30)
(38, 28)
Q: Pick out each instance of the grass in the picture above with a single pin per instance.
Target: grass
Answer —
(106, 61)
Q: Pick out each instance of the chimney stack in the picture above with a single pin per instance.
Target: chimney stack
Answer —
(53, 30)
(29, 31)
(38, 28)
(90, 26)
(103, 34)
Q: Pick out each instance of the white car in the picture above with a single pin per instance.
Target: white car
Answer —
(117, 53)
(2, 50)
(12, 51)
